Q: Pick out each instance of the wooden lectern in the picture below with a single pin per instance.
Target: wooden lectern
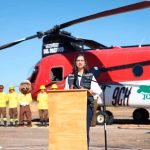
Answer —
(67, 120)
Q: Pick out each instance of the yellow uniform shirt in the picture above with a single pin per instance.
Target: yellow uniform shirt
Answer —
(3, 99)
(42, 99)
(24, 99)
(12, 99)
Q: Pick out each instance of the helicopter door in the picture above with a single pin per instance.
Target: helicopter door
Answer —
(56, 74)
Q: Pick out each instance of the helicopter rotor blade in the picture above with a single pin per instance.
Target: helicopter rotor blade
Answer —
(124, 9)
(128, 8)
(39, 35)
(11, 44)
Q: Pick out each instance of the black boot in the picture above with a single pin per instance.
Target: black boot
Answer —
(41, 123)
(5, 123)
(16, 123)
(45, 123)
(11, 124)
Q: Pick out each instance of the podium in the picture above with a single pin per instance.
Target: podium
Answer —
(67, 119)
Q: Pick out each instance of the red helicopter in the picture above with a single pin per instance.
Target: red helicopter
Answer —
(126, 69)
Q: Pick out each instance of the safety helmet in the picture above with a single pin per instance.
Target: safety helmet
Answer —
(54, 86)
(11, 88)
(42, 87)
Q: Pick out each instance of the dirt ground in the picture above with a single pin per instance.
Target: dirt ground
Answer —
(122, 135)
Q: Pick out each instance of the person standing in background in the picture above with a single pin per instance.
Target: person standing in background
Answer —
(42, 100)
(3, 102)
(13, 106)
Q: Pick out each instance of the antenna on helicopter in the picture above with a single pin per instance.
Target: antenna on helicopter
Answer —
(141, 42)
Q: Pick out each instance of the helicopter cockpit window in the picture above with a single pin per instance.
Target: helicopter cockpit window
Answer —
(34, 74)
(137, 70)
(77, 45)
(56, 74)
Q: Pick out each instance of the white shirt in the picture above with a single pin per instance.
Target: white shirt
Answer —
(23, 103)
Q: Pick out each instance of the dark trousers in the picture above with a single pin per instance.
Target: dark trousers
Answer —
(13, 113)
(3, 112)
(25, 112)
(89, 120)
(43, 113)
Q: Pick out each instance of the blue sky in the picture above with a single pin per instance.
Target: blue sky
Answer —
(21, 19)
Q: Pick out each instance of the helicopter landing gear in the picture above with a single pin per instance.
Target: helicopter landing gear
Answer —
(108, 116)
(140, 115)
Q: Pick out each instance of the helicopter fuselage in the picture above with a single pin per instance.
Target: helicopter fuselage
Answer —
(126, 70)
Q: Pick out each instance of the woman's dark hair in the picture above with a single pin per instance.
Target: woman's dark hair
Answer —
(75, 68)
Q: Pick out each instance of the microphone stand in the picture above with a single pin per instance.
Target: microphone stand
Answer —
(104, 110)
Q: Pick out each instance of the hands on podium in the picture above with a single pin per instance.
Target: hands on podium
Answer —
(90, 92)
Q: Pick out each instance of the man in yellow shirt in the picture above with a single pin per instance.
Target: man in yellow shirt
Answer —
(13, 106)
(3, 101)
(42, 100)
